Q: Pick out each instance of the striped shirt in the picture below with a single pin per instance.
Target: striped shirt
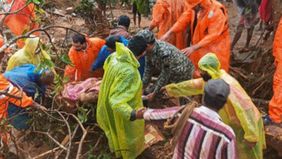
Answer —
(204, 135)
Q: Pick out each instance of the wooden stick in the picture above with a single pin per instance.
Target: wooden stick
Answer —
(46, 153)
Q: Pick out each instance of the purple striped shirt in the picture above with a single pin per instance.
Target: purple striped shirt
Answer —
(204, 135)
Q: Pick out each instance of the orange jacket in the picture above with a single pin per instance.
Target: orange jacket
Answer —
(277, 44)
(24, 102)
(82, 61)
(22, 21)
(5, 85)
(1, 44)
(161, 16)
(211, 32)
(165, 14)
(1, 41)
(275, 105)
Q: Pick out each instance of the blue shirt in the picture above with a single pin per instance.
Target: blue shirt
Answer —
(104, 53)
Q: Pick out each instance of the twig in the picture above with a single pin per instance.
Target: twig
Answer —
(95, 146)
(81, 143)
(82, 138)
(69, 130)
(27, 35)
(15, 12)
(50, 137)
(46, 153)
(3, 19)
(262, 101)
(238, 72)
(64, 142)
(256, 89)
(72, 137)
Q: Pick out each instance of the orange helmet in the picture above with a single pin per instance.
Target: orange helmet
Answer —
(193, 3)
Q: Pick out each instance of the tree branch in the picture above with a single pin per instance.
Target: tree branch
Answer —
(27, 35)
(16, 11)
(50, 137)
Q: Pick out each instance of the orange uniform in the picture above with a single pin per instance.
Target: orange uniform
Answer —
(82, 61)
(1, 44)
(275, 105)
(22, 21)
(1, 41)
(209, 30)
(165, 14)
(25, 101)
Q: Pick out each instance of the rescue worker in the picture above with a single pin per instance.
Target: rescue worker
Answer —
(275, 105)
(12, 94)
(1, 44)
(1, 41)
(209, 31)
(165, 14)
(82, 54)
(198, 131)
(119, 97)
(170, 64)
(240, 113)
(31, 53)
(33, 83)
(109, 48)
(23, 21)
(122, 28)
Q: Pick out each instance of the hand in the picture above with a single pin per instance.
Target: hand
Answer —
(150, 97)
(140, 112)
(165, 37)
(189, 50)
(39, 107)
(164, 91)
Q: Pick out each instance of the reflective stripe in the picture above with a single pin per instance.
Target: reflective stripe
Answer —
(9, 88)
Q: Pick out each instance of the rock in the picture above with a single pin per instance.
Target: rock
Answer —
(273, 136)
(70, 10)
(59, 12)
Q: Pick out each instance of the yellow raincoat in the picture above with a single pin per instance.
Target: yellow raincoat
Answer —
(27, 55)
(240, 113)
(120, 93)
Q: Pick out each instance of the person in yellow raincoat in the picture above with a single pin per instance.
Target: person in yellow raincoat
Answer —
(31, 53)
(240, 112)
(120, 95)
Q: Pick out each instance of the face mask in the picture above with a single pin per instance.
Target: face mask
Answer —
(205, 77)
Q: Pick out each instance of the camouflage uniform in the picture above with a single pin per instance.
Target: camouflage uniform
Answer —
(170, 62)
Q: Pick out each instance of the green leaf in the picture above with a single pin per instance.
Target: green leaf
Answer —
(35, 1)
(82, 114)
(65, 59)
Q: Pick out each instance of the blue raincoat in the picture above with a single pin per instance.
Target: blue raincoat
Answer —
(104, 53)
(26, 77)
